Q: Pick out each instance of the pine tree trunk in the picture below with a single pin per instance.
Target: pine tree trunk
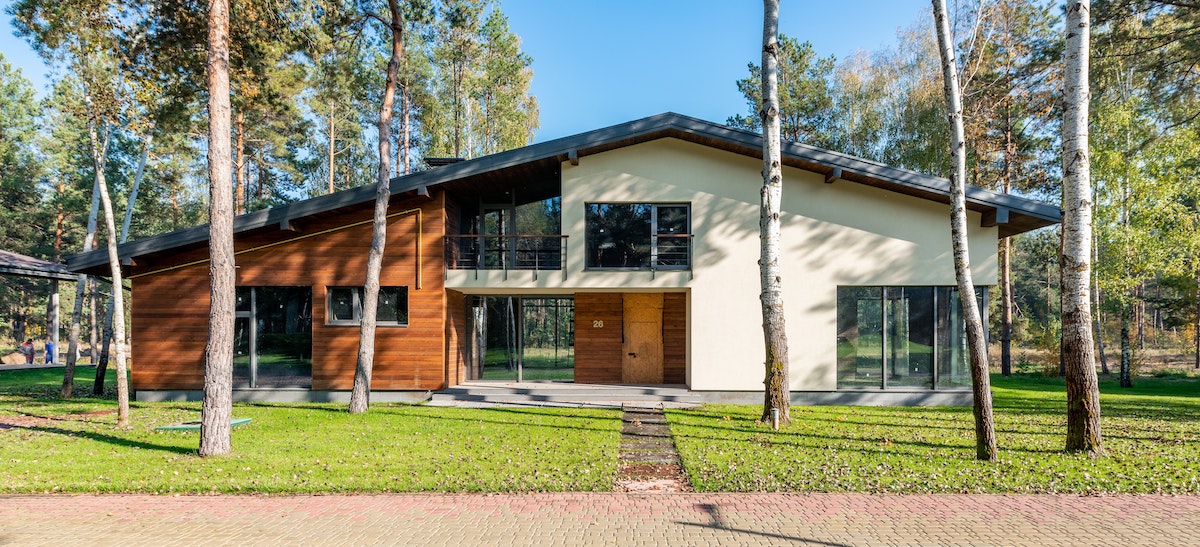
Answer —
(101, 359)
(81, 285)
(985, 429)
(778, 389)
(1083, 392)
(217, 409)
(1006, 296)
(1099, 319)
(361, 392)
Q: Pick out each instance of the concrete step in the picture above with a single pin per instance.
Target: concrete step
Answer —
(551, 394)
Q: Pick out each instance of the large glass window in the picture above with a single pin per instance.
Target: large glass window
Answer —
(897, 337)
(638, 236)
(273, 337)
(345, 306)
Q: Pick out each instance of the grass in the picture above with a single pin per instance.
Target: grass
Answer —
(301, 448)
(65, 445)
(1149, 432)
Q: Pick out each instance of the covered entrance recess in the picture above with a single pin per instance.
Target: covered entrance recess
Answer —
(631, 338)
(521, 338)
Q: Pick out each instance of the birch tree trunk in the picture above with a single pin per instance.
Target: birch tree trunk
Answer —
(81, 285)
(217, 409)
(1083, 392)
(777, 396)
(332, 143)
(110, 311)
(985, 429)
(239, 167)
(114, 263)
(361, 392)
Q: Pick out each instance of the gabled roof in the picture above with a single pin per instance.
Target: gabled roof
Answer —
(1012, 214)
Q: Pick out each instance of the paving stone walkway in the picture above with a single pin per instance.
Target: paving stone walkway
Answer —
(601, 519)
(648, 460)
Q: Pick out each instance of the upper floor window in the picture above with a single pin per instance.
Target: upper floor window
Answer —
(345, 306)
(638, 236)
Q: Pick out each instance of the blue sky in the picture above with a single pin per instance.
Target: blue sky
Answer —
(602, 62)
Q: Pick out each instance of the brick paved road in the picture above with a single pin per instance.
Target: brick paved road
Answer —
(602, 518)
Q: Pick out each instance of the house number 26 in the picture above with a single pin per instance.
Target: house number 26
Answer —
(597, 324)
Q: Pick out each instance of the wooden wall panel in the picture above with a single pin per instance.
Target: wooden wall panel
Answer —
(675, 338)
(456, 337)
(171, 307)
(598, 350)
(169, 329)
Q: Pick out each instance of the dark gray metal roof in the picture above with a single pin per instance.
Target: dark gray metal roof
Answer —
(28, 266)
(1013, 214)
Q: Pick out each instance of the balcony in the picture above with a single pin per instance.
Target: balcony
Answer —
(534, 253)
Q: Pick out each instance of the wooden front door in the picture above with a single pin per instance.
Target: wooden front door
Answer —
(642, 359)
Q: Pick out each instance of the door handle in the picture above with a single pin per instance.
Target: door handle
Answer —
(634, 355)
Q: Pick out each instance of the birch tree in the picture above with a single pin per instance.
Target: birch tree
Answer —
(217, 410)
(1083, 391)
(777, 395)
(114, 263)
(985, 430)
(361, 392)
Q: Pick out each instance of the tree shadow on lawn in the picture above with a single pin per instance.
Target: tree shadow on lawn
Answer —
(440, 413)
(786, 437)
(501, 411)
(111, 439)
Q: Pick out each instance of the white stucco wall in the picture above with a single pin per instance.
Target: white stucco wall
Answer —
(834, 234)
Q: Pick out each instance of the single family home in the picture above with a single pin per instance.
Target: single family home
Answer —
(624, 255)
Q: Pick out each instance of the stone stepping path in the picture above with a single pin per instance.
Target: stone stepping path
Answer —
(648, 459)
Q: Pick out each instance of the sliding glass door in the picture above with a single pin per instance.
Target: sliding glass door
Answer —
(521, 339)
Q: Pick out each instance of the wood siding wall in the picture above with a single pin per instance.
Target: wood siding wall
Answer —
(170, 308)
(456, 338)
(675, 338)
(598, 349)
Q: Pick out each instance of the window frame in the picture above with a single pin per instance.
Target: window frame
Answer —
(356, 298)
(652, 237)
(937, 350)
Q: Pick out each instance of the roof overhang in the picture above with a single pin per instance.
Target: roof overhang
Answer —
(27, 266)
(1009, 213)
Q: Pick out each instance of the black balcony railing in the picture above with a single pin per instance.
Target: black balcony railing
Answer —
(506, 252)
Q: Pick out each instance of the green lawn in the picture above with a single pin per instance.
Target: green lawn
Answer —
(1150, 433)
(304, 448)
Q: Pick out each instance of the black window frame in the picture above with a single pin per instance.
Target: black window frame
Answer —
(942, 314)
(654, 259)
(356, 293)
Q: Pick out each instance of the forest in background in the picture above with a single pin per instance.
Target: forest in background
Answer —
(306, 80)
(129, 96)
